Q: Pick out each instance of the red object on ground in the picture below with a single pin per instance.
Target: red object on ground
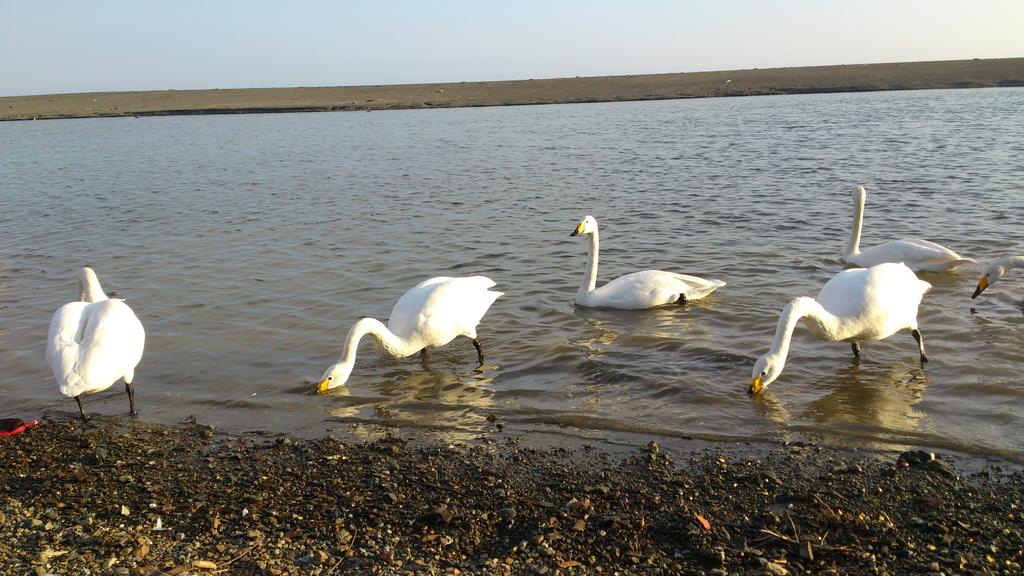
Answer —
(12, 426)
(703, 522)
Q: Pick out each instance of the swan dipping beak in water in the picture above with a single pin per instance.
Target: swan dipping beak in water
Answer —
(430, 314)
(856, 305)
(995, 272)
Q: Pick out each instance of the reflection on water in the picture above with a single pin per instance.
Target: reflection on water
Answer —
(435, 398)
(248, 245)
(877, 404)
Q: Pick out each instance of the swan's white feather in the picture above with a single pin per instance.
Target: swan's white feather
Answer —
(873, 303)
(919, 255)
(92, 345)
(648, 289)
(438, 310)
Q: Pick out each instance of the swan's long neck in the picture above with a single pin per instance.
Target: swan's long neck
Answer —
(89, 289)
(821, 321)
(590, 279)
(389, 341)
(853, 247)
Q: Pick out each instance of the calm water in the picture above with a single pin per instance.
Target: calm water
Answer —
(249, 244)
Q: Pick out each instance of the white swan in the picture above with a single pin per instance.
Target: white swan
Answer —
(94, 342)
(638, 290)
(856, 305)
(430, 314)
(918, 255)
(995, 271)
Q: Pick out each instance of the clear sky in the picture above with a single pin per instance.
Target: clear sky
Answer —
(49, 46)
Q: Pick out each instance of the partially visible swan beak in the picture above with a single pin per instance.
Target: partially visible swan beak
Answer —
(577, 231)
(756, 384)
(982, 284)
(574, 233)
(322, 387)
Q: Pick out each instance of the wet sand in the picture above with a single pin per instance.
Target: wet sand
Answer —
(123, 497)
(852, 78)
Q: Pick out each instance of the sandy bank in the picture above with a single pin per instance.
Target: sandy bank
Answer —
(854, 78)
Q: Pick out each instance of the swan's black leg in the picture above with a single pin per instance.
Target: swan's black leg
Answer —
(131, 398)
(920, 343)
(856, 349)
(81, 408)
(682, 300)
(479, 351)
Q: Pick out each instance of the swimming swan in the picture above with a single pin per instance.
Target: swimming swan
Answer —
(638, 290)
(918, 255)
(94, 342)
(430, 314)
(856, 305)
(995, 271)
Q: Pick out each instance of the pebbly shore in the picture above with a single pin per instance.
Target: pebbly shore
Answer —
(117, 496)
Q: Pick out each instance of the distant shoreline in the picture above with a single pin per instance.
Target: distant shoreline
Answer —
(986, 73)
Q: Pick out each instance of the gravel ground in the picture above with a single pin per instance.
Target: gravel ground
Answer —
(122, 497)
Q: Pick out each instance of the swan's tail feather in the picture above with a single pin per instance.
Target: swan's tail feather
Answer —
(698, 291)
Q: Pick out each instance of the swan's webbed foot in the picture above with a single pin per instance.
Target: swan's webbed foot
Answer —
(131, 398)
(856, 349)
(81, 409)
(479, 351)
(920, 343)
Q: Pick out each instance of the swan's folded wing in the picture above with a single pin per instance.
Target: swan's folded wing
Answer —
(697, 287)
(939, 251)
(63, 345)
(443, 310)
(922, 251)
(112, 343)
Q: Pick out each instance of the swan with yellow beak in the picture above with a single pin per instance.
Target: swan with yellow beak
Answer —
(855, 306)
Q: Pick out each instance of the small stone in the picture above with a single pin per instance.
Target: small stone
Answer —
(507, 514)
(915, 458)
(848, 469)
(125, 511)
(78, 472)
(773, 568)
(440, 514)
